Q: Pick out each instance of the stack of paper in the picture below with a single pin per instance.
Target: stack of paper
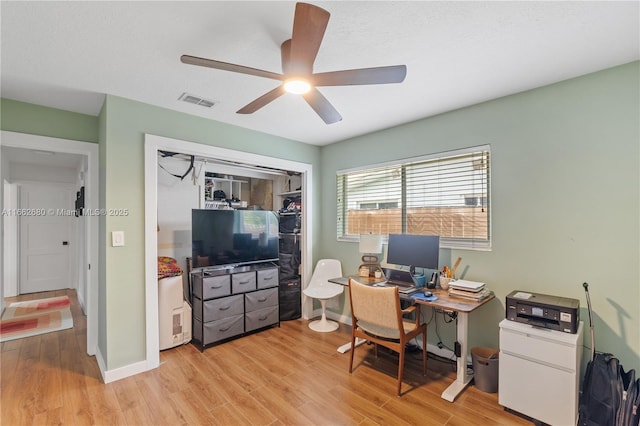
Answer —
(470, 290)
(465, 285)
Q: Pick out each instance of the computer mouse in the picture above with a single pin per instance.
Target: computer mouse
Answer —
(428, 294)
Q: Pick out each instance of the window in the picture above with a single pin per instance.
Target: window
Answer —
(445, 194)
(374, 205)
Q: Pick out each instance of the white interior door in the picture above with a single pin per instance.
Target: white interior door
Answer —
(46, 235)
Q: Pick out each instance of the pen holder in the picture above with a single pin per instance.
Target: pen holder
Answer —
(444, 282)
(419, 280)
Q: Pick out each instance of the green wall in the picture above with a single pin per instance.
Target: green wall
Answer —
(119, 129)
(565, 197)
(564, 193)
(21, 117)
(126, 123)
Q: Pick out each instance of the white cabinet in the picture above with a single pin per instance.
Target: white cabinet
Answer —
(539, 372)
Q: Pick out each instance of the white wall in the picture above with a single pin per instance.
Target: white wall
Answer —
(39, 173)
(176, 198)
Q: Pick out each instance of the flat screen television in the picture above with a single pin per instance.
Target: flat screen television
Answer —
(414, 251)
(226, 238)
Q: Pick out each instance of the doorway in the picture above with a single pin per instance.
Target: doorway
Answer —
(87, 270)
(154, 144)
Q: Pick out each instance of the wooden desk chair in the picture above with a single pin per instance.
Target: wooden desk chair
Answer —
(377, 317)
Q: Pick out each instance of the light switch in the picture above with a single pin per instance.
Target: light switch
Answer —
(117, 238)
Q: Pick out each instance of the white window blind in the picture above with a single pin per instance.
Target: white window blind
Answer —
(445, 194)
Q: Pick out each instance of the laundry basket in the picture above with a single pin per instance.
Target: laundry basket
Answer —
(485, 368)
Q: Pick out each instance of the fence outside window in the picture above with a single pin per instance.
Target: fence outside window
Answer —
(446, 194)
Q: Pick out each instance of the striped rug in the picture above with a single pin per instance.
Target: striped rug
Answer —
(33, 317)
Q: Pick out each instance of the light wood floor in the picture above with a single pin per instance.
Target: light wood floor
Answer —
(281, 376)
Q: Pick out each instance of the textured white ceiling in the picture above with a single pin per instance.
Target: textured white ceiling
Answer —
(69, 54)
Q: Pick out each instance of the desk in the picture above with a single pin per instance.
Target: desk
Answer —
(462, 307)
(444, 301)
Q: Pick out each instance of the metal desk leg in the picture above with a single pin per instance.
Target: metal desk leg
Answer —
(462, 377)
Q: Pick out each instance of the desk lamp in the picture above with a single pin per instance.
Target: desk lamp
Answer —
(370, 247)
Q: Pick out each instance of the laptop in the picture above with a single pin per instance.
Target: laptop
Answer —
(400, 279)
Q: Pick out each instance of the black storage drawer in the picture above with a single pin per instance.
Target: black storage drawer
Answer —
(261, 299)
(231, 302)
(223, 328)
(261, 318)
(243, 282)
(290, 223)
(220, 308)
(267, 278)
(208, 287)
(290, 299)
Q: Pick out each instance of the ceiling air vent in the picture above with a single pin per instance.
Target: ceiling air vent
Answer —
(196, 100)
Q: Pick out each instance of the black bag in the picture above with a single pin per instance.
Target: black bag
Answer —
(628, 412)
(288, 266)
(290, 244)
(290, 223)
(601, 392)
(610, 396)
(290, 300)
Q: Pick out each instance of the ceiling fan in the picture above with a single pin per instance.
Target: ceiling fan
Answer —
(298, 55)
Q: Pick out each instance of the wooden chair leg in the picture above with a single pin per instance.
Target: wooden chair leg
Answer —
(353, 349)
(400, 368)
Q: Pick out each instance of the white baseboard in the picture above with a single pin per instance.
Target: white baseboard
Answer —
(109, 376)
(100, 362)
(126, 371)
(341, 318)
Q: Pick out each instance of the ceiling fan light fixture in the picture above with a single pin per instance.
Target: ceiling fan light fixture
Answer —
(298, 55)
(297, 86)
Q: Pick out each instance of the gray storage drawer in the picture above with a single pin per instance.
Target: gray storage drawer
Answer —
(243, 282)
(220, 308)
(210, 287)
(261, 299)
(261, 318)
(223, 328)
(267, 278)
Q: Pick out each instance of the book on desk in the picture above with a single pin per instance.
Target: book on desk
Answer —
(469, 290)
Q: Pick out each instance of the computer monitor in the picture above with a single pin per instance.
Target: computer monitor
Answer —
(414, 251)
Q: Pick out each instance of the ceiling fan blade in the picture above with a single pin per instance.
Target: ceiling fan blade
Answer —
(309, 25)
(285, 54)
(262, 101)
(210, 63)
(379, 75)
(322, 107)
